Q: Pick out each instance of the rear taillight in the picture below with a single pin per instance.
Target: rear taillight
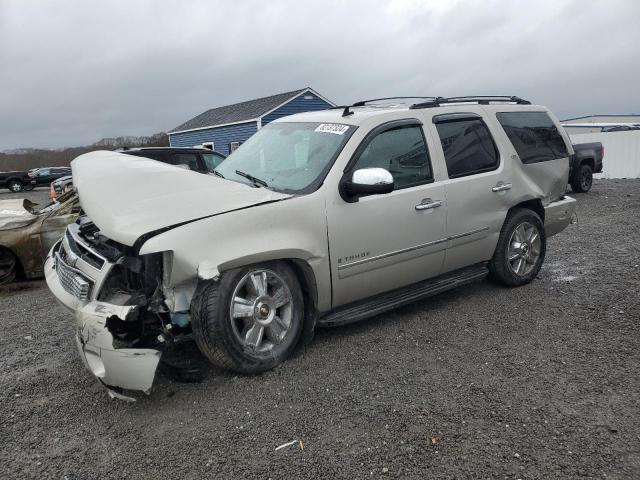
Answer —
(602, 151)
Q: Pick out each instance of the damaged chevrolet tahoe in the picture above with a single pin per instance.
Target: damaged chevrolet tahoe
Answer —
(320, 218)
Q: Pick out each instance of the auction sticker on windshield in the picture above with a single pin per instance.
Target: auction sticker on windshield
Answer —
(332, 128)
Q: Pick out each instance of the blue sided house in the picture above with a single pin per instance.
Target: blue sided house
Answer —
(224, 128)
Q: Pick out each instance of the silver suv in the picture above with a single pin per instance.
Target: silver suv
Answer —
(320, 218)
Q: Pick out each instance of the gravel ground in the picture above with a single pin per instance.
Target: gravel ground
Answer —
(481, 382)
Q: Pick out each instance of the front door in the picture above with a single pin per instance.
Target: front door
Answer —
(383, 242)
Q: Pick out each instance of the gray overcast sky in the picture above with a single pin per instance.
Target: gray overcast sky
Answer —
(72, 72)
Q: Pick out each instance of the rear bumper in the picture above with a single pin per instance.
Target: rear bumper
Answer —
(558, 215)
(126, 368)
(598, 167)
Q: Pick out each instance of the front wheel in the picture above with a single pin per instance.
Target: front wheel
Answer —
(251, 319)
(15, 186)
(521, 249)
(583, 179)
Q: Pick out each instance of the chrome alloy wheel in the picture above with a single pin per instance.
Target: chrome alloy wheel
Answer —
(524, 249)
(261, 310)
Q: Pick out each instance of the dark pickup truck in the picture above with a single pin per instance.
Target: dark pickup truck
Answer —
(28, 180)
(586, 161)
(14, 181)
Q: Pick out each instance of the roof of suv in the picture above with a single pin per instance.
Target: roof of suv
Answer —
(360, 112)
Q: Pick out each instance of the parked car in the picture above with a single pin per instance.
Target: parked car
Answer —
(201, 160)
(46, 175)
(60, 186)
(320, 218)
(621, 128)
(197, 159)
(27, 234)
(14, 181)
(586, 161)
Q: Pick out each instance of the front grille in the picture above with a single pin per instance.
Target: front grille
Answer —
(83, 252)
(72, 280)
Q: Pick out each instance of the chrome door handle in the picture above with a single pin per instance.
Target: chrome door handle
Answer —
(501, 187)
(427, 204)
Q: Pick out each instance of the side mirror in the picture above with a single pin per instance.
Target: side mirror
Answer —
(366, 181)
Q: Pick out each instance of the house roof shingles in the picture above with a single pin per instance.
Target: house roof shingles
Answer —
(237, 112)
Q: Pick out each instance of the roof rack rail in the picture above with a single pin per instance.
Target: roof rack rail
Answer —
(346, 112)
(362, 103)
(480, 99)
(345, 109)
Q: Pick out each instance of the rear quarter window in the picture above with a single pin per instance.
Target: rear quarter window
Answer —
(534, 136)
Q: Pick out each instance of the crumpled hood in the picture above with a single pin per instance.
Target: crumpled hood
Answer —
(128, 196)
(16, 213)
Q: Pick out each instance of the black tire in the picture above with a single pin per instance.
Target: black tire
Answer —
(213, 329)
(8, 266)
(28, 187)
(15, 186)
(501, 269)
(583, 179)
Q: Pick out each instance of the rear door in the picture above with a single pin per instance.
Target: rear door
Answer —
(44, 176)
(478, 188)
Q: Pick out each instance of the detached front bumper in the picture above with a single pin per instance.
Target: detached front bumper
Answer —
(558, 215)
(125, 368)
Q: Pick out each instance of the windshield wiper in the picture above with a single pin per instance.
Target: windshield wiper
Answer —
(217, 174)
(255, 180)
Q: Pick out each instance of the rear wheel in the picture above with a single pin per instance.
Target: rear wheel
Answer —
(15, 186)
(521, 249)
(250, 320)
(583, 179)
(7, 267)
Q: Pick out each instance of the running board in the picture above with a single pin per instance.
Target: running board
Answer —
(402, 296)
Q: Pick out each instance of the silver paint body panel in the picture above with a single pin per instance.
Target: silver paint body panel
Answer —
(354, 250)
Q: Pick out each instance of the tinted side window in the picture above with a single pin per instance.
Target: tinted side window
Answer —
(468, 147)
(184, 160)
(212, 160)
(152, 155)
(403, 152)
(533, 135)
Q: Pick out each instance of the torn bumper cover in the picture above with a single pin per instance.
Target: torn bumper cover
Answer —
(124, 368)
